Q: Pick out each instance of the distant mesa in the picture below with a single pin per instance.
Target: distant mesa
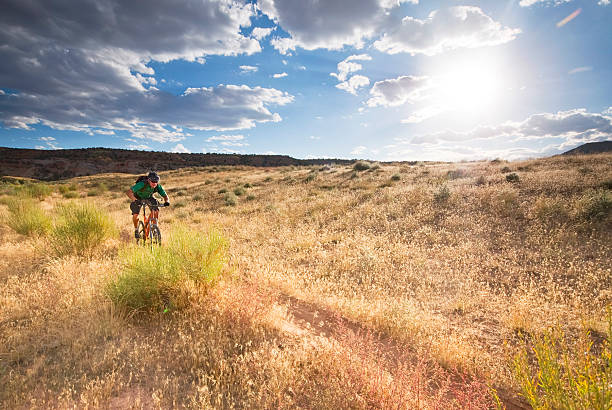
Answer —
(51, 165)
(591, 148)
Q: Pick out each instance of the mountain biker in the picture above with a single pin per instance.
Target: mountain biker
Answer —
(142, 192)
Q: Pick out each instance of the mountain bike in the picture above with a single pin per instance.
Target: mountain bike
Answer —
(148, 231)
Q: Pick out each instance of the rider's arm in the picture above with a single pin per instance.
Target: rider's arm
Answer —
(131, 195)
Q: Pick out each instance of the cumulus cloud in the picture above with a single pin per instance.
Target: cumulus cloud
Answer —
(280, 75)
(152, 114)
(398, 91)
(91, 71)
(572, 126)
(180, 148)
(358, 150)
(260, 33)
(225, 138)
(354, 83)
(249, 68)
(330, 24)
(443, 30)
(347, 66)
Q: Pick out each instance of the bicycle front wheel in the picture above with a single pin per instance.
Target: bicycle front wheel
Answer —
(141, 234)
(155, 236)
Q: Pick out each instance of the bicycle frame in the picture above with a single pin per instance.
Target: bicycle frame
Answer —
(149, 223)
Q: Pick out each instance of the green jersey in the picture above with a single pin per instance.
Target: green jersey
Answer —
(143, 190)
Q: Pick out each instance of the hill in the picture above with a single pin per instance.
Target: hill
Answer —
(69, 163)
(591, 148)
(399, 286)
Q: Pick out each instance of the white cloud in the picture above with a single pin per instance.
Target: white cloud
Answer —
(358, 150)
(138, 147)
(580, 70)
(573, 126)
(354, 83)
(347, 66)
(280, 75)
(91, 71)
(180, 148)
(151, 114)
(603, 2)
(234, 144)
(314, 137)
(104, 132)
(47, 139)
(249, 68)
(443, 30)
(398, 91)
(423, 114)
(315, 24)
(260, 32)
(226, 138)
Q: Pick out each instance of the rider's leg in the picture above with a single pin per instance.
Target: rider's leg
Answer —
(135, 220)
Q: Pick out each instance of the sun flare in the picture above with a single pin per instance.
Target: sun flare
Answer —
(470, 86)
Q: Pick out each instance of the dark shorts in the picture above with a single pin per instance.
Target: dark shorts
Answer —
(136, 205)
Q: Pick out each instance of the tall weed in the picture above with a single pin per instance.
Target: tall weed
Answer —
(162, 277)
(38, 190)
(80, 229)
(566, 377)
(27, 218)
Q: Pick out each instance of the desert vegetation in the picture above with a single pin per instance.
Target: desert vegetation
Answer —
(368, 285)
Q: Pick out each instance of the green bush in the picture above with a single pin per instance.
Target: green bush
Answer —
(595, 205)
(230, 199)
(250, 197)
(442, 195)
(566, 377)
(161, 277)
(239, 191)
(71, 194)
(39, 191)
(27, 218)
(361, 166)
(505, 170)
(396, 177)
(513, 177)
(80, 229)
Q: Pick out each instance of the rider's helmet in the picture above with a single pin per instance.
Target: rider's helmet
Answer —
(153, 177)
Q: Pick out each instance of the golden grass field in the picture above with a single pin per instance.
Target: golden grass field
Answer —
(398, 286)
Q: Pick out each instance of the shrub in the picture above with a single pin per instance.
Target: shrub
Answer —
(39, 191)
(239, 191)
(180, 204)
(396, 177)
(566, 377)
(222, 191)
(247, 185)
(550, 210)
(71, 194)
(230, 199)
(595, 205)
(250, 197)
(27, 218)
(63, 189)
(163, 277)
(505, 170)
(102, 187)
(512, 178)
(310, 177)
(80, 229)
(481, 180)
(442, 195)
(456, 174)
(197, 197)
(361, 166)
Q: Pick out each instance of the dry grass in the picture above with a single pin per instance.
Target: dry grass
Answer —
(444, 269)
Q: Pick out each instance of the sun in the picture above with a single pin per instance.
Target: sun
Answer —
(471, 86)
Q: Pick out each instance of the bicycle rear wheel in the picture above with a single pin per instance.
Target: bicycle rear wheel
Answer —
(155, 236)
(141, 234)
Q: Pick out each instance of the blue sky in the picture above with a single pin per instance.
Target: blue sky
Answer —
(375, 79)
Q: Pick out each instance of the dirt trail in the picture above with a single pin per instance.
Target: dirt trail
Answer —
(310, 319)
